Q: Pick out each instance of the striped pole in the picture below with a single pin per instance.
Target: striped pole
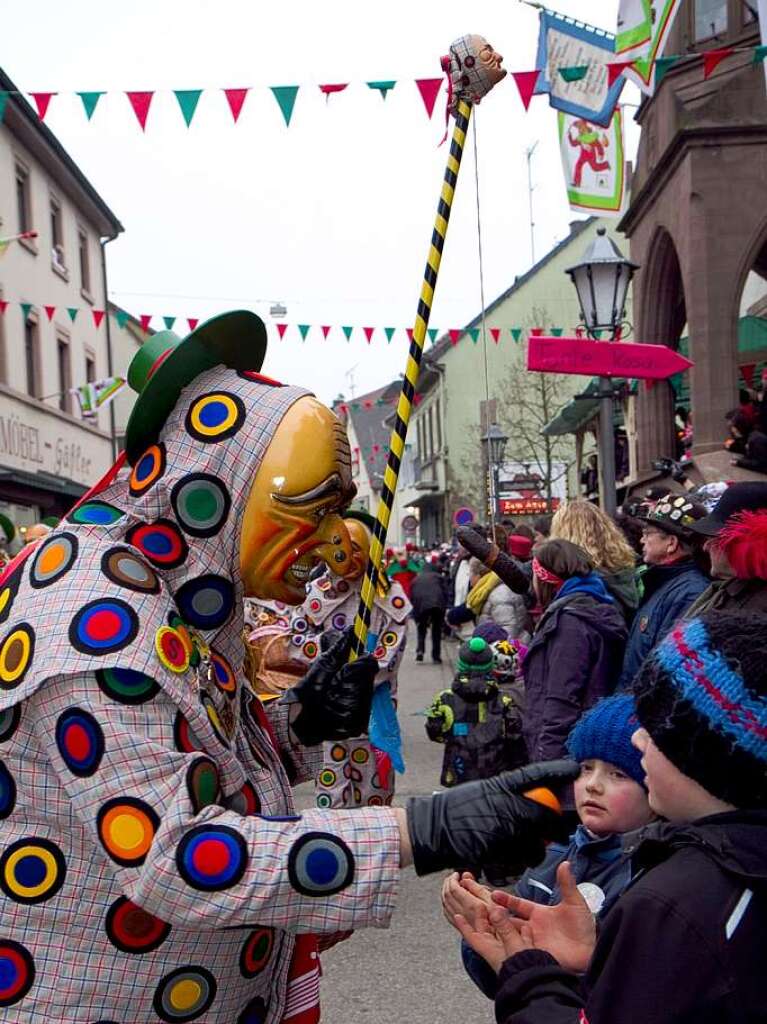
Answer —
(405, 404)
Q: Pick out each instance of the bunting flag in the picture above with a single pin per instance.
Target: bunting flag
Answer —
(429, 90)
(382, 87)
(433, 333)
(389, 332)
(643, 71)
(145, 319)
(594, 165)
(49, 311)
(527, 82)
(3, 306)
(347, 332)
(325, 331)
(141, 102)
(169, 321)
(286, 100)
(328, 90)
(122, 318)
(192, 321)
(303, 330)
(368, 332)
(495, 334)
(26, 309)
(98, 316)
(281, 328)
(42, 99)
(572, 60)
(73, 311)
(187, 101)
(3, 103)
(516, 333)
(713, 58)
(454, 335)
(473, 333)
(235, 98)
(90, 99)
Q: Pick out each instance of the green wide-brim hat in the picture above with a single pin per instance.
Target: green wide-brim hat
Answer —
(361, 516)
(165, 364)
(7, 529)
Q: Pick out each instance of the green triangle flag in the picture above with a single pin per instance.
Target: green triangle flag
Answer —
(760, 52)
(662, 64)
(188, 100)
(383, 87)
(122, 317)
(356, 407)
(3, 103)
(596, 334)
(389, 332)
(90, 99)
(26, 309)
(516, 333)
(474, 334)
(347, 331)
(169, 321)
(73, 311)
(574, 73)
(432, 332)
(286, 97)
(556, 332)
(304, 329)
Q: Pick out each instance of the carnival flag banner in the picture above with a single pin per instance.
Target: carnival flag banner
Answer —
(634, 35)
(594, 164)
(97, 395)
(572, 62)
(642, 70)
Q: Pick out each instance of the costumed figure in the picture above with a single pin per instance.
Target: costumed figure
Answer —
(586, 137)
(152, 864)
(7, 533)
(473, 67)
(403, 569)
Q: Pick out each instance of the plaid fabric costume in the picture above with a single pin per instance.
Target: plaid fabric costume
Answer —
(151, 865)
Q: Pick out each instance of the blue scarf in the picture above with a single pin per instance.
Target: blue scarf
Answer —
(591, 584)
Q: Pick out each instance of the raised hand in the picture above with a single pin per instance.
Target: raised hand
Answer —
(463, 896)
(495, 935)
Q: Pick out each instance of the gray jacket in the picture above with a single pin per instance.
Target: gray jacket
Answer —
(509, 611)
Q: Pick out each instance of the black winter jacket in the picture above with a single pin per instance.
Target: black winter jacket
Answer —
(428, 591)
(685, 944)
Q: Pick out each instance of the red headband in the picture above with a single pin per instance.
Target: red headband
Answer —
(545, 575)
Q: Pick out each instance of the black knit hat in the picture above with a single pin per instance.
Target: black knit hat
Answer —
(475, 657)
(702, 696)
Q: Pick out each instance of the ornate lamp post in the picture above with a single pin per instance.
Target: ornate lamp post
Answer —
(494, 442)
(602, 280)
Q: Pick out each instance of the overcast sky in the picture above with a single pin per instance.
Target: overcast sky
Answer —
(331, 216)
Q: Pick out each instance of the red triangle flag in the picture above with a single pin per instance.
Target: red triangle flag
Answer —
(429, 89)
(409, 333)
(496, 333)
(42, 99)
(536, 332)
(455, 334)
(145, 319)
(140, 101)
(711, 58)
(368, 333)
(328, 89)
(526, 83)
(3, 305)
(49, 311)
(325, 330)
(281, 328)
(192, 321)
(615, 69)
(747, 373)
(98, 316)
(235, 98)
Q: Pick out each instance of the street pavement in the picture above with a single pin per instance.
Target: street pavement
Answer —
(410, 972)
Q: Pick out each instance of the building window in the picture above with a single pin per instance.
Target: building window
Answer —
(749, 13)
(23, 199)
(355, 462)
(65, 373)
(710, 18)
(57, 237)
(90, 368)
(32, 357)
(438, 425)
(431, 431)
(85, 267)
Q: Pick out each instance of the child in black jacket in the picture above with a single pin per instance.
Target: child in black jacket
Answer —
(686, 942)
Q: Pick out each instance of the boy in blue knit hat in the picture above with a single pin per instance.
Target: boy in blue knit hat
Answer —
(610, 800)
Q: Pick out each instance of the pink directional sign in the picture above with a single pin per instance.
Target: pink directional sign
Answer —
(603, 358)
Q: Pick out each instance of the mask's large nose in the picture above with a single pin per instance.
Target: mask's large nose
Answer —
(336, 545)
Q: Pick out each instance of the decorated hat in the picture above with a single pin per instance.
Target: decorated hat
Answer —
(746, 496)
(675, 513)
(475, 656)
(165, 364)
(361, 516)
(7, 529)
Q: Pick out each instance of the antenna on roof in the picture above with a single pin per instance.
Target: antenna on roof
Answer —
(350, 375)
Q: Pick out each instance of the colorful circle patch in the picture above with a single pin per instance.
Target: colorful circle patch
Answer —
(338, 752)
(9, 722)
(148, 470)
(206, 602)
(184, 737)
(16, 652)
(132, 929)
(184, 994)
(339, 621)
(390, 639)
(53, 559)
(80, 742)
(17, 972)
(299, 625)
(254, 1013)
(311, 650)
(95, 513)
(324, 801)
(32, 870)
(171, 649)
(125, 568)
(8, 590)
(256, 952)
(320, 864)
(126, 686)
(126, 828)
(211, 858)
(327, 777)
(360, 755)
(223, 676)
(245, 801)
(202, 784)
(103, 626)
(398, 602)
(215, 417)
(214, 719)
(375, 801)
(201, 503)
(7, 792)
(161, 542)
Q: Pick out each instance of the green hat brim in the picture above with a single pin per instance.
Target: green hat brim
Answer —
(236, 340)
(7, 527)
(361, 516)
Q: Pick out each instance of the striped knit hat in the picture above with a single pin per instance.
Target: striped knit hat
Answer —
(702, 696)
(475, 657)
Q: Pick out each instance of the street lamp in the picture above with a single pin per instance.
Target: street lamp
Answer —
(602, 280)
(495, 442)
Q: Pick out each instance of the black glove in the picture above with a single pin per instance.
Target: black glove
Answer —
(335, 695)
(487, 821)
(474, 541)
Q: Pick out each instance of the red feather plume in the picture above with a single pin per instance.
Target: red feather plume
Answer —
(744, 541)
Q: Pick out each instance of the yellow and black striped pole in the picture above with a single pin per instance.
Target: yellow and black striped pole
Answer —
(405, 404)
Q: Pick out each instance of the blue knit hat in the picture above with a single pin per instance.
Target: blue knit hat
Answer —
(605, 732)
(490, 632)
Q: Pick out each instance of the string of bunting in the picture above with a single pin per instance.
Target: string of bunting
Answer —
(302, 331)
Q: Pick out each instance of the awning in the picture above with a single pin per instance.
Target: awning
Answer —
(579, 412)
(48, 483)
(427, 499)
